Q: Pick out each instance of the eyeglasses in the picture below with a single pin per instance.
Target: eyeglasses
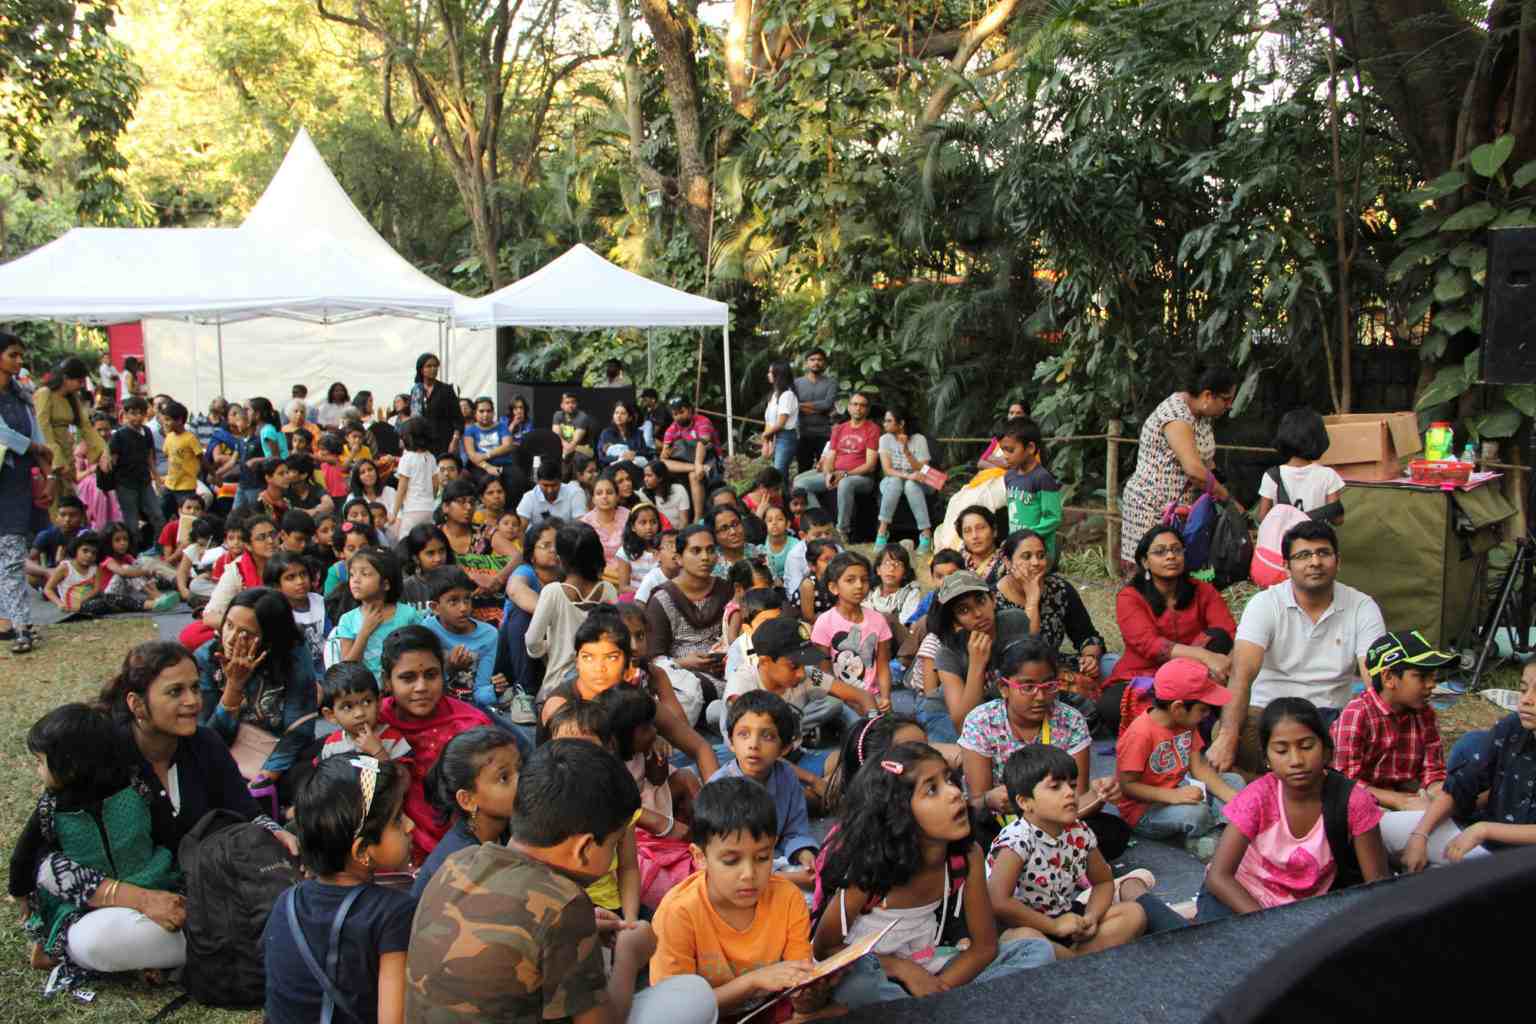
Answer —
(1166, 552)
(1317, 555)
(1029, 689)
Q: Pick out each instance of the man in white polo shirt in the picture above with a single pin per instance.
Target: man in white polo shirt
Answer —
(1306, 637)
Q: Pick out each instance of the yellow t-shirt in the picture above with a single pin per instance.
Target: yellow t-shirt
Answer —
(183, 457)
(692, 937)
(362, 453)
(605, 891)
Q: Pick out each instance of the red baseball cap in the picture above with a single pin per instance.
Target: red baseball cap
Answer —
(1187, 680)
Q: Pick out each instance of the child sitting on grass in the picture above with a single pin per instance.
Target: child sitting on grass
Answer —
(1035, 863)
(351, 824)
(77, 577)
(733, 922)
(508, 932)
(1298, 831)
(1502, 767)
(760, 726)
(1159, 761)
(1387, 738)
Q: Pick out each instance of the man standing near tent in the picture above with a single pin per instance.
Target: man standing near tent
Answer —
(818, 397)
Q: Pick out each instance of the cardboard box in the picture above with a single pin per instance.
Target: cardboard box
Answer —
(1371, 445)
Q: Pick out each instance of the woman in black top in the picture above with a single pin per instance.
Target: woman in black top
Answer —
(435, 401)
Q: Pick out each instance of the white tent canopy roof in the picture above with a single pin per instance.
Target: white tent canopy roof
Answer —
(581, 289)
(305, 252)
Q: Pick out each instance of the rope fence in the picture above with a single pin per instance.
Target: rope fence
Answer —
(1114, 439)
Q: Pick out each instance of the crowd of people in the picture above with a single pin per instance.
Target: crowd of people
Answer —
(544, 711)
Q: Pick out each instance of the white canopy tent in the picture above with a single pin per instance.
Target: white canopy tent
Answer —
(581, 290)
(243, 311)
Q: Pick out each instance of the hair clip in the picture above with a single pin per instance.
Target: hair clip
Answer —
(367, 780)
(894, 767)
(863, 734)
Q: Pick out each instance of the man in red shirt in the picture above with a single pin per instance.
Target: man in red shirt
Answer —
(690, 448)
(848, 463)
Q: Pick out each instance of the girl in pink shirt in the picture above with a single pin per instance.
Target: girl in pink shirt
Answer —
(1299, 831)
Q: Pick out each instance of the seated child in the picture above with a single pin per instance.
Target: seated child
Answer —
(77, 577)
(813, 595)
(778, 542)
(351, 824)
(289, 575)
(778, 656)
(1159, 762)
(733, 922)
(349, 700)
(128, 585)
(813, 524)
(616, 890)
(1035, 863)
(905, 858)
(857, 640)
(1387, 738)
(48, 546)
(672, 715)
(668, 565)
(199, 544)
(745, 575)
(471, 787)
(119, 910)
(373, 577)
(1299, 830)
(759, 727)
(1502, 767)
(666, 793)
(175, 536)
(536, 953)
(471, 644)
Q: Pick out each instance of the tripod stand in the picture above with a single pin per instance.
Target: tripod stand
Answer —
(1511, 611)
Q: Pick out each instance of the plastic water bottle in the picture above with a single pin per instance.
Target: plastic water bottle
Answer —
(1469, 453)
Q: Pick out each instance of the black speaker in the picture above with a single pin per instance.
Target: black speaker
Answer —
(1509, 307)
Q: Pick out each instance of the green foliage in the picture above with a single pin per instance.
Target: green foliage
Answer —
(59, 64)
(1446, 263)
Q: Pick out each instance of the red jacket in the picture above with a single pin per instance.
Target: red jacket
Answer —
(1149, 639)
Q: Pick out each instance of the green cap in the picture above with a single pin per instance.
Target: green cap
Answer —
(1398, 649)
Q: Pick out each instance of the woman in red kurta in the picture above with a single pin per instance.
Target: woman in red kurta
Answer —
(1164, 613)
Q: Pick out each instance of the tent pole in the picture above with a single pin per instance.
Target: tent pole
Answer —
(730, 421)
(219, 327)
(650, 357)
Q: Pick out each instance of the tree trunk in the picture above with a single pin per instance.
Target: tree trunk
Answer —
(675, 46)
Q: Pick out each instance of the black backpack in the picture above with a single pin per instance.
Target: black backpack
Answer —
(235, 872)
(1231, 555)
(1336, 789)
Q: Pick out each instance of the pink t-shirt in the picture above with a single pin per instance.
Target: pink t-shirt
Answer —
(611, 536)
(1279, 868)
(854, 646)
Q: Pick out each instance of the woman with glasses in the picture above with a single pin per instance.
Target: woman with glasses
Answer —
(1055, 610)
(1163, 613)
(1029, 712)
(730, 532)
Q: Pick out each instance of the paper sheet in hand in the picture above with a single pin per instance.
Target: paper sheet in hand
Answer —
(11, 441)
(824, 968)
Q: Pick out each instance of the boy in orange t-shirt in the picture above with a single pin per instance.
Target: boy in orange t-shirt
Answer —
(1170, 790)
(733, 921)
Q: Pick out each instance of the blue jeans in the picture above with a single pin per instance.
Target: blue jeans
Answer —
(1185, 821)
(866, 982)
(931, 713)
(785, 443)
(849, 488)
(1208, 908)
(891, 490)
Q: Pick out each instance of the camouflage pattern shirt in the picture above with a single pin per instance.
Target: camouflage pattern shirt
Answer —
(501, 937)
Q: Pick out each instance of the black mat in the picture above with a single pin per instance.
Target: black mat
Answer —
(1175, 976)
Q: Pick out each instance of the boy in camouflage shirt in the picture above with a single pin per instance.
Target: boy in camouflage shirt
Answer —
(507, 933)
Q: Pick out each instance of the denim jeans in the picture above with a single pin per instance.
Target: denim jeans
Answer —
(1185, 821)
(891, 490)
(849, 489)
(931, 713)
(866, 982)
(785, 443)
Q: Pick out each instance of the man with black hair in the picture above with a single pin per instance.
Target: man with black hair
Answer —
(818, 397)
(551, 498)
(1306, 637)
(507, 933)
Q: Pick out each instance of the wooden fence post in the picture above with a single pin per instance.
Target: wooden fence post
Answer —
(1112, 501)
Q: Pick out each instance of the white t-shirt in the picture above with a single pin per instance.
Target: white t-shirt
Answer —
(569, 504)
(1307, 486)
(1302, 658)
(416, 469)
(917, 444)
(784, 404)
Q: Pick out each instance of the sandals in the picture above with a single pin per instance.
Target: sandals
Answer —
(26, 640)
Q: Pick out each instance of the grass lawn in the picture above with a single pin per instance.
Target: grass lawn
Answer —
(71, 664)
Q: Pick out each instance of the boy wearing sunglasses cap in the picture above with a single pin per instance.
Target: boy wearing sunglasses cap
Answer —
(1170, 790)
